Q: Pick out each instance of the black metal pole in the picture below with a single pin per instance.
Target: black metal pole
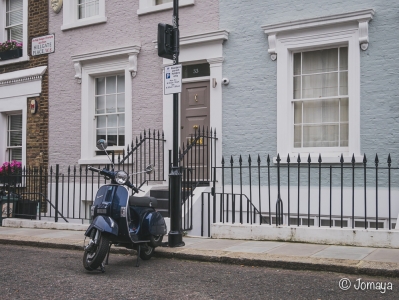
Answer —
(175, 237)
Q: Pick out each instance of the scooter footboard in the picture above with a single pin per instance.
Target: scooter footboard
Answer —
(154, 223)
(103, 224)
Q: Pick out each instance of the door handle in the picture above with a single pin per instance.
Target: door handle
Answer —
(195, 97)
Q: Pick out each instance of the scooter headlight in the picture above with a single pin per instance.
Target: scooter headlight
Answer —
(121, 177)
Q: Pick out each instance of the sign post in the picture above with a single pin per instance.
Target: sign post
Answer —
(175, 236)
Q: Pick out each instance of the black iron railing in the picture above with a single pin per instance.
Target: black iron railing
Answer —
(69, 192)
(345, 194)
(197, 157)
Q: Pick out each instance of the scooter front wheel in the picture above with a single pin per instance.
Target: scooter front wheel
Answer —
(94, 254)
(146, 252)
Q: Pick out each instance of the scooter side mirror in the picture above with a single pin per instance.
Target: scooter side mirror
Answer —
(102, 144)
(150, 169)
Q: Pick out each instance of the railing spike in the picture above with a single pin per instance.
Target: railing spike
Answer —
(319, 160)
(309, 159)
(341, 160)
(259, 159)
(353, 159)
(222, 160)
(278, 158)
(231, 159)
(249, 159)
(389, 161)
(288, 158)
(240, 160)
(268, 160)
(299, 158)
(376, 161)
(364, 158)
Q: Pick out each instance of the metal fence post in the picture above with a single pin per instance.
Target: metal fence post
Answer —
(57, 175)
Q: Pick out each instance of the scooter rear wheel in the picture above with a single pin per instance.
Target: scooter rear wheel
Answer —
(93, 257)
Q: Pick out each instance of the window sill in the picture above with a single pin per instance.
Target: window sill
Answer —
(96, 160)
(84, 22)
(14, 60)
(162, 7)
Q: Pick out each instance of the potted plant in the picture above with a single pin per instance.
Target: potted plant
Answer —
(11, 172)
(10, 49)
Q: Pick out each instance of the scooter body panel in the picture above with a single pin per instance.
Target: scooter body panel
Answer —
(103, 224)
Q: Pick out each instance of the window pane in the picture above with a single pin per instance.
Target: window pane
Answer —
(121, 120)
(321, 85)
(111, 104)
(320, 61)
(343, 83)
(297, 136)
(14, 17)
(330, 136)
(330, 111)
(297, 64)
(121, 102)
(15, 33)
(15, 138)
(326, 222)
(100, 105)
(343, 58)
(101, 122)
(16, 154)
(112, 121)
(344, 135)
(112, 136)
(101, 134)
(344, 110)
(16, 122)
(121, 83)
(312, 111)
(297, 112)
(297, 87)
(157, 2)
(100, 86)
(111, 85)
(338, 223)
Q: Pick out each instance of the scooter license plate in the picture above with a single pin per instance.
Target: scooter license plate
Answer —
(101, 210)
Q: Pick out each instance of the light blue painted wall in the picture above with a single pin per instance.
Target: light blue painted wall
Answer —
(249, 101)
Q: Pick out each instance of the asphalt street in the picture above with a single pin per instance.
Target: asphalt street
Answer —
(43, 273)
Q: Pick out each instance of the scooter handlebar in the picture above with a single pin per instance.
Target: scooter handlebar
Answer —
(93, 169)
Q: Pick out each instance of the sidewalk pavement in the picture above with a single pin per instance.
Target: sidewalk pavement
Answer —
(297, 256)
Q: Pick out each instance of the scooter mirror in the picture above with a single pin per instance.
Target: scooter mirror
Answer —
(102, 144)
(149, 169)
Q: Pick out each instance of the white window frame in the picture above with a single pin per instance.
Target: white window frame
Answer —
(97, 64)
(349, 29)
(149, 6)
(71, 18)
(3, 33)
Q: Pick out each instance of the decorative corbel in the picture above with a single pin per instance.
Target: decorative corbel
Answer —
(364, 34)
(78, 71)
(272, 46)
(133, 64)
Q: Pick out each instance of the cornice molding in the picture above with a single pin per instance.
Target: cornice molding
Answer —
(131, 52)
(362, 17)
(212, 36)
(22, 76)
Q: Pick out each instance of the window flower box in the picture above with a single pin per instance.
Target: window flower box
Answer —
(10, 50)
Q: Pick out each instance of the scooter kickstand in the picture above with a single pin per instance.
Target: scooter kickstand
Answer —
(138, 256)
(109, 249)
(102, 268)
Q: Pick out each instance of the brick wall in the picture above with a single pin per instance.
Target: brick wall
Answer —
(37, 124)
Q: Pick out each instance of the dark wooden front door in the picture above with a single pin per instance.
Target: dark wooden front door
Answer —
(194, 118)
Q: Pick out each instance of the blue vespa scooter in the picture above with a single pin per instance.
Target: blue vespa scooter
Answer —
(121, 220)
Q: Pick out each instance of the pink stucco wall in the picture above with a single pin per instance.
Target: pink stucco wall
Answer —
(123, 28)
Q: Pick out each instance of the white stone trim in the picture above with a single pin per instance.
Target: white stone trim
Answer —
(286, 38)
(362, 17)
(148, 6)
(101, 63)
(130, 51)
(25, 55)
(203, 47)
(70, 17)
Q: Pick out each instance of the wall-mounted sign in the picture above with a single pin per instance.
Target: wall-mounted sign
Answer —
(43, 45)
(33, 106)
(172, 82)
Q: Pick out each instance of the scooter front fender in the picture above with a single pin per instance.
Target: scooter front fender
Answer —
(103, 224)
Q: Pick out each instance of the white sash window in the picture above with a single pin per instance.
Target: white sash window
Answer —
(14, 137)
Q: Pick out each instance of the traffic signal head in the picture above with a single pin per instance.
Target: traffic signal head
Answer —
(165, 41)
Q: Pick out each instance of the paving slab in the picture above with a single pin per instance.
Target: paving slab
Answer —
(297, 249)
(213, 244)
(384, 255)
(254, 247)
(344, 252)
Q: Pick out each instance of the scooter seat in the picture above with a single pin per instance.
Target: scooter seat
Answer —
(143, 201)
